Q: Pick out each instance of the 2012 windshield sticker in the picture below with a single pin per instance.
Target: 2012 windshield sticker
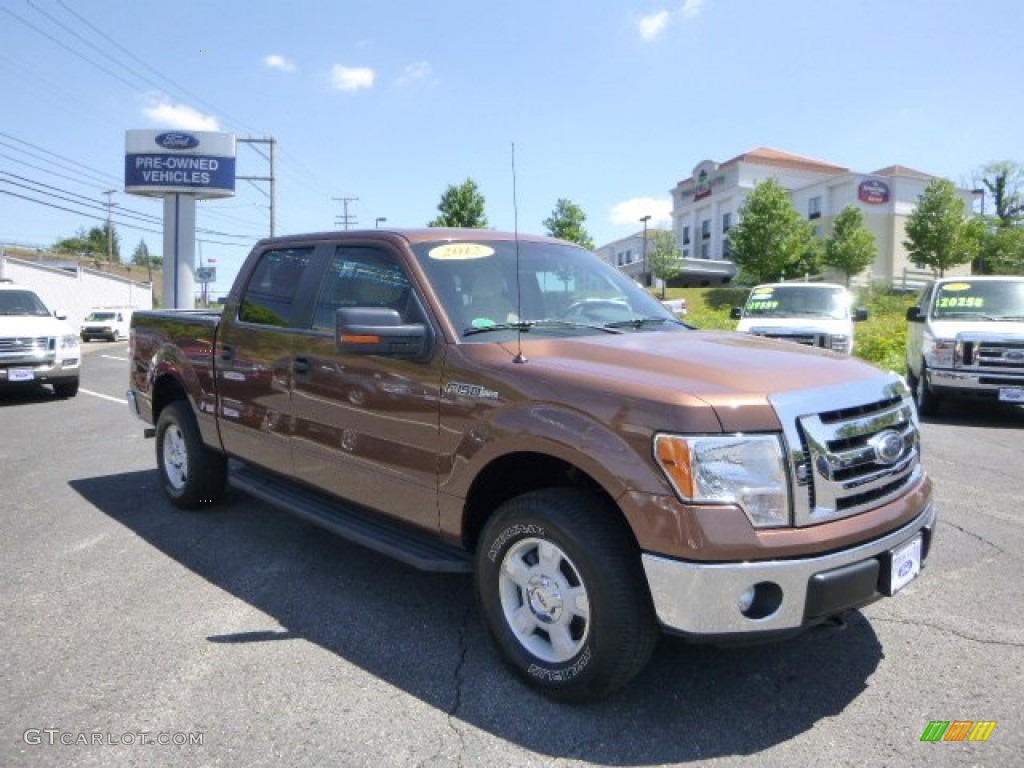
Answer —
(461, 251)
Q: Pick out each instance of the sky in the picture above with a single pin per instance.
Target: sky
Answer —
(606, 103)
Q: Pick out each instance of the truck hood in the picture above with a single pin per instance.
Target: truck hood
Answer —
(34, 326)
(720, 369)
(950, 329)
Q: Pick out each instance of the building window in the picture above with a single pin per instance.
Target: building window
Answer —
(726, 249)
(704, 250)
(686, 253)
(629, 255)
(686, 235)
(705, 229)
(726, 222)
(814, 208)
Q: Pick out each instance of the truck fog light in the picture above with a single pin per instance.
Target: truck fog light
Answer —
(761, 600)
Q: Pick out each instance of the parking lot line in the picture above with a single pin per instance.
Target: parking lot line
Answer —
(105, 397)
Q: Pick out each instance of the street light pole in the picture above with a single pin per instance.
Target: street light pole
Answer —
(645, 219)
(378, 220)
(981, 258)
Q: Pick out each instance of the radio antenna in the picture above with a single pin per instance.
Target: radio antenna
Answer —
(519, 358)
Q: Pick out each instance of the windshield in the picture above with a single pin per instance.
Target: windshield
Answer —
(562, 289)
(980, 300)
(22, 303)
(798, 301)
(100, 316)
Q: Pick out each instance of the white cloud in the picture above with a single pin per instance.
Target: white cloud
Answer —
(629, 212)
(351, 78)
(413, 73)
(278, 62)
(692, 7)
(653, 25)
(169, 115)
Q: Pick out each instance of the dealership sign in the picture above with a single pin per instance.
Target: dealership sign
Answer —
(873, 191)
(200, 163)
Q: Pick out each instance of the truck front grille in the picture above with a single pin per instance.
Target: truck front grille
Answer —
(24, 347)
(859, 450)
(807, 338)
(992, 355)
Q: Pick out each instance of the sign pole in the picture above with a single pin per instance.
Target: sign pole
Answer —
(179, 251)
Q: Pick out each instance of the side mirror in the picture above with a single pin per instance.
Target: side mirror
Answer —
(378, 331)
(736, 313)
(914, 315)
(860, 314)
(60, 314)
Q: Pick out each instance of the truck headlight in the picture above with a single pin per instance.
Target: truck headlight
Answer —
(938, 353)
(69, 342)
(746, 470)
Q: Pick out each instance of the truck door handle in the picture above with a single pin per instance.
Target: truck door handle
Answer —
(300, 366)
(226, 352)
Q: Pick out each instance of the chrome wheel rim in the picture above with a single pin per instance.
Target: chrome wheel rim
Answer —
(544, 600)
(175, 457)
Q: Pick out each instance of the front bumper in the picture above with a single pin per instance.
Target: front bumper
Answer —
(967, 383)
(48, 371)
(703, 599)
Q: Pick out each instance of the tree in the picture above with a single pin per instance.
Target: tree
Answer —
(566, 222)
(771, 239)
(851, 248)
(92, 244)
(461, 206)
(1004, 181)
(1003, 251)
(664, 257)
(939, 233)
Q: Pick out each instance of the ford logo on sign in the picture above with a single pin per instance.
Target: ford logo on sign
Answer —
(177, 140)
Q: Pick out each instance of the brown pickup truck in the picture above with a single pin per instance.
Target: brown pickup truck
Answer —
(511, 406)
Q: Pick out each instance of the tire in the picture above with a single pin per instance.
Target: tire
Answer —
(191, 474)
(65, 389)
(537, 550)
(925, 399)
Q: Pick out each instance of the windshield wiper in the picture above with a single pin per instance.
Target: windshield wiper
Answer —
(525, 326)
(638, 322)
(971, 315)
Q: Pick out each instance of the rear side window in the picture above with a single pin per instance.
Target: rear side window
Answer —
(269, 297)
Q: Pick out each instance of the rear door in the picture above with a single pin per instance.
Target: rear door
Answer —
(366, 426)
(255, 350)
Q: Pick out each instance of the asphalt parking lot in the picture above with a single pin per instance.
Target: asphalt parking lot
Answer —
(136, 634)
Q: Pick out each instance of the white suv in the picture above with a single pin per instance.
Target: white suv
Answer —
(815, 314)
(110, 323)
(36, 346)
(965, 338)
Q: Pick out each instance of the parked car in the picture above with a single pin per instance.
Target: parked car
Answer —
(965, 338)
(528, 414)
(815, 314)
(110, 323)
(35, 345)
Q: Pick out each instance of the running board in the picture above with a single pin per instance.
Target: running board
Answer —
(377, 532)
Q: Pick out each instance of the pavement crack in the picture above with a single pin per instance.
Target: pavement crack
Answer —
(459, 681)
(973, 535)
(947, 630)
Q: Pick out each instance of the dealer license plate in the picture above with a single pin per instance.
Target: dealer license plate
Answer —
(19, 374)
(906, 564)
(1011, 394)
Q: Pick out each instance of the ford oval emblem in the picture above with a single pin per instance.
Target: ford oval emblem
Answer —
(177, 140)
(904, 569)
(888, 446)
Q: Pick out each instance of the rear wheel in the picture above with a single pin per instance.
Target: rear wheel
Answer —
(192, 475)
(560, 584)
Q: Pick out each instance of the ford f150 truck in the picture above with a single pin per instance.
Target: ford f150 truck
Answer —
(815, 314)
(512, 406)
(965, 338)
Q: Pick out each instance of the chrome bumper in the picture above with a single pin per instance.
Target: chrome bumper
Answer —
(702, 599)
(944, 379)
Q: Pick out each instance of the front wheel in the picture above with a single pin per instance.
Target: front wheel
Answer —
(192, 475)
(924, 397)
(561, 587)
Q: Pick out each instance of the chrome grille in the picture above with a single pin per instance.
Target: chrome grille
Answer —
(991, 354)
(805, 337)
(26, 346)
(851, 447)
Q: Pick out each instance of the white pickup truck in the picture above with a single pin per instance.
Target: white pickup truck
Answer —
(814, 314)
(965, 338)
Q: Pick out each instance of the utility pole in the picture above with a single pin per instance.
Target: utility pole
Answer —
(110, 227)
(645, 219)
(272, 178)
(346, 219)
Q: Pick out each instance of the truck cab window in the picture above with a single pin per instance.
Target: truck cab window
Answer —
(362, 277)
(270, 295)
